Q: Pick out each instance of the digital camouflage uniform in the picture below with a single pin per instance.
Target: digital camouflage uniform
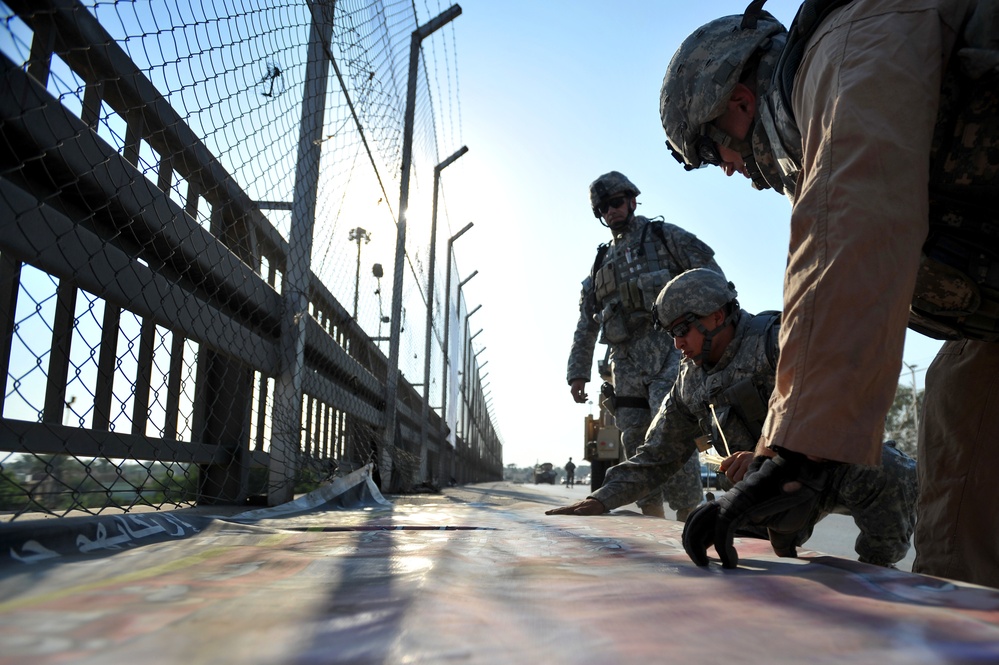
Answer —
(881, 499)
(615, 306)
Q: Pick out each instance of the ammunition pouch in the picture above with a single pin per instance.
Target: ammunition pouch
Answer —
(631, 296)
(604, 282)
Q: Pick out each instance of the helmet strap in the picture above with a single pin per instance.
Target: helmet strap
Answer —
(731, 316)
(708, 335)
(749, 159)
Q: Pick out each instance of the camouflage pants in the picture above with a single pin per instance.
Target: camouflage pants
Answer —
(683, 490)
(882, 501)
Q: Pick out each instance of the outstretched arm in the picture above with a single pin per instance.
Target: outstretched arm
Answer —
(584, 507)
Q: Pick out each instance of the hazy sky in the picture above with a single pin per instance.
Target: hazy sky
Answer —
(552, 94)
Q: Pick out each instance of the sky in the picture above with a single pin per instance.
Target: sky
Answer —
(554, 93)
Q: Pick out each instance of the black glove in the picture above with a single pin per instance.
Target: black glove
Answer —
(759, 499)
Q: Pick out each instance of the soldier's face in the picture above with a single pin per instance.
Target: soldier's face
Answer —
(617, 214)
(691, 344)
(736, 122)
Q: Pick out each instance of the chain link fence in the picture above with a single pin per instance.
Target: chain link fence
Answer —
(197, 230)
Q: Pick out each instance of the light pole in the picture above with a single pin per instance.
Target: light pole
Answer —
(357, 235)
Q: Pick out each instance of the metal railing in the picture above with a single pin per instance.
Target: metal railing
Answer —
(170, 335)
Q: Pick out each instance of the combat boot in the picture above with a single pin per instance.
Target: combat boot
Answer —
(655, 510)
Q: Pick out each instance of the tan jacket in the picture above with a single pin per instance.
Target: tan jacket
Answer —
(865, 98)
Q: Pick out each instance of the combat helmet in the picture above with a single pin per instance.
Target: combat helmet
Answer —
(700, 79)
(696, 292)
(691, 296)
(607, 186)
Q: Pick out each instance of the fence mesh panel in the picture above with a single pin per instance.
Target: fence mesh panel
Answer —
(151, 171)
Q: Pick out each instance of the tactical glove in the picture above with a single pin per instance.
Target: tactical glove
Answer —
(759, 499)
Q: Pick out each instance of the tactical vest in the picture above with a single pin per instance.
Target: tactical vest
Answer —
(744, 398)
(626, 286)
(957, 287)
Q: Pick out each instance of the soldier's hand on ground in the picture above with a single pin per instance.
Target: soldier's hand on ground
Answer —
(584, 507)
(736, 465)
(578, 390)
(779, 493)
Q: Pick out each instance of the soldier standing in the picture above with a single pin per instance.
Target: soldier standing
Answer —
(570, 473)
(615, 307)
(878, 119)
(720, 397)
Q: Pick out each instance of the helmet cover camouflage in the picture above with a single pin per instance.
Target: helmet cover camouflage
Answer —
(699, 291)
(608, 185)
(702, 74)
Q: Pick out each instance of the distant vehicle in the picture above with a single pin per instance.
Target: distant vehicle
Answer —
(545, 473)
(709, 476)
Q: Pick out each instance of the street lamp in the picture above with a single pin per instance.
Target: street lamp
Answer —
(357, 235)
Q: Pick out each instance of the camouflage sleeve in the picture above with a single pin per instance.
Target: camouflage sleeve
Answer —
(585, 338)
(668, 444)
(882, 501)
(689, 250)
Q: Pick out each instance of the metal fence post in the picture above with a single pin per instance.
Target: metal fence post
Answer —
(287, 429)
(445, 468)
(430, 317)
(392, 380)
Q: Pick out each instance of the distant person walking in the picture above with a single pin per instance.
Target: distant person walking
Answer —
(570, 473)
